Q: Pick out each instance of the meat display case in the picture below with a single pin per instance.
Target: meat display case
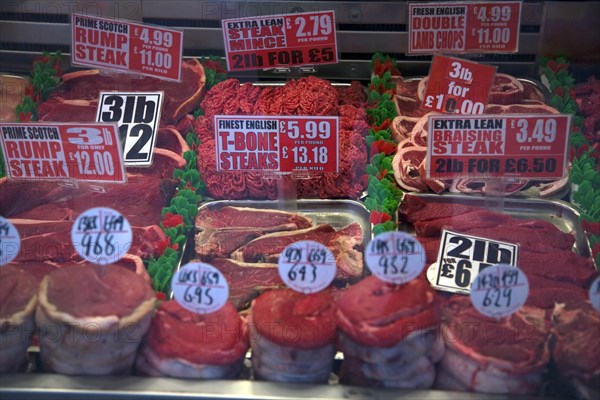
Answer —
(29, 27)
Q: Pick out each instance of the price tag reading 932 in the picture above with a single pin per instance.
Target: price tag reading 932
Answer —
(395, 257)
(126, 46)
(200, 288)
(62, 152)
(307, 266)
(277, 41)
(10, 241)
(499, 291)
(101, 235)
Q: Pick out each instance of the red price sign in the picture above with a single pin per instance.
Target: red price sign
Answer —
(457, 86)
(277, 143)
(462, 27)
(514, 146)
(126, 46)
(60, 152)
(283, 40)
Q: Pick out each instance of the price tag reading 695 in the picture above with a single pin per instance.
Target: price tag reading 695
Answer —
(307, 266)
(200, 288)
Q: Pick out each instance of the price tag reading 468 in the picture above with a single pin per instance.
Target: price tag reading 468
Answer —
(307, 266)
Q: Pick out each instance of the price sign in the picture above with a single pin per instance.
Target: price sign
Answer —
(10, 241)
(461, 257)
(499, 291)
(126, 46)
(200, 288)
(395, 257)
(62, 151)
(283, 40)
(595, 293)
(101, 235)
(456, 86)
(464, 27)
(280, 144)
(513, 146)
(307, 266)
(137, 115)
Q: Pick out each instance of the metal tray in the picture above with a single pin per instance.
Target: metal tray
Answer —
(560, 213)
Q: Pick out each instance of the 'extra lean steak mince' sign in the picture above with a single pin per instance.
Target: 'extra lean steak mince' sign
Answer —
(283, 40)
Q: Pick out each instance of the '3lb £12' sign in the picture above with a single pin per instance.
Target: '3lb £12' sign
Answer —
(138, 116)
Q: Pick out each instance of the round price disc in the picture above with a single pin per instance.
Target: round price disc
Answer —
(499, 291)
(200, 288)
(10, 241)
(101, 235)
(395, 257)
(595, 293)
(307, 266)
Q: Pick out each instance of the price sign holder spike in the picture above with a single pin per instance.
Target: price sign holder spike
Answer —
(287, 194)
(495, 194)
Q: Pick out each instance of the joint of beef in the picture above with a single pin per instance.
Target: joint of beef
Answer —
(576, 350)
(493, 356)
(92, 319)
(183, 344)
(293, 336)
(17, 306)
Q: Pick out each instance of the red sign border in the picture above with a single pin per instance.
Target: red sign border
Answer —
(125, 70)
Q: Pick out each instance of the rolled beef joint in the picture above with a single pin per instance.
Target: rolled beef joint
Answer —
(293, 336)
(184, 344)
(17, 306)
(388, 335)
(92, 319)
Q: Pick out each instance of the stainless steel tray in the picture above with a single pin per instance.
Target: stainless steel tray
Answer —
(563, 215)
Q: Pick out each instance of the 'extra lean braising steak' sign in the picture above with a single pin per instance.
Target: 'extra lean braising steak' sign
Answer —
(283, 40)
(464, 27)
(126, 46)
(491, 146)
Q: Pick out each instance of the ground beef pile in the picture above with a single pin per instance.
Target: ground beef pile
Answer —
(305, 96)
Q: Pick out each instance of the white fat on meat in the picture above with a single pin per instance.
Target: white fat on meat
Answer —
(150, 364)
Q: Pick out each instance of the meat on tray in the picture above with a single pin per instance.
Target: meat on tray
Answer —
(92, 319)
(18, 300)
(183, 344)
(305, 96)
(576, 350)
(76, 98)
(388, 335)
(493, 356)
(247, 280)
(293, 336)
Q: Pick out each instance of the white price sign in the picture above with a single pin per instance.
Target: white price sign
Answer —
(307, 266)
(10, 241)
(200, 288)
(595, 293)
(499, 291)
(395, 257)
(101, 235)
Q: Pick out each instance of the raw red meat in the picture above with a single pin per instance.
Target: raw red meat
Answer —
(559, 265)
(111, 305)
(293, 336)
(170, 139)
(413, 208)
(493, 356)
(576, 351)
(247, 280)
(526, 233)
(375, 313)
(344, 243)
(480, 218)
(184, 344)
(163, 164)
(245, 217)
(506, 89)
(74, 99)
(17, 307)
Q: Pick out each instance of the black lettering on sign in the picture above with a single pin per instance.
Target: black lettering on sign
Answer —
(144, 132)
(464, 244)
